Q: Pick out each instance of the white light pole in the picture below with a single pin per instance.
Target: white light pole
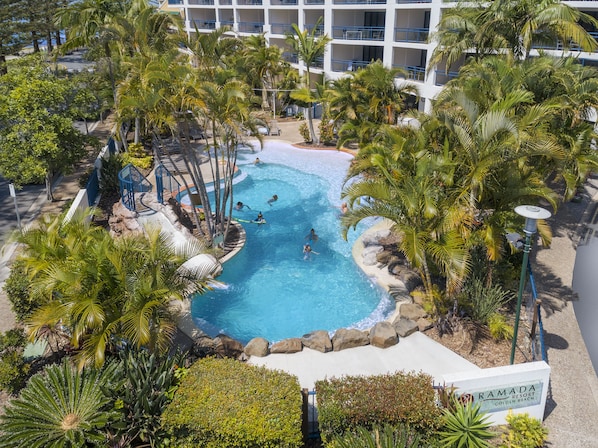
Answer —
(531, 214)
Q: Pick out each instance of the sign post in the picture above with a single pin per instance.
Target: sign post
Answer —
(13, 193)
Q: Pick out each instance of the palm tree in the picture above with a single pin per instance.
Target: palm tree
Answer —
(60, 407)
(511, 26)
(104, 291)
(309, 48)
(263, 64)
(410, 186)
(365, 100)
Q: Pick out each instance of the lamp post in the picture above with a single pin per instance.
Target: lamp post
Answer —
(531, 214)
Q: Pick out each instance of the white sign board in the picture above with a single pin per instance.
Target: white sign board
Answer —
(520, 388)
(11, 189)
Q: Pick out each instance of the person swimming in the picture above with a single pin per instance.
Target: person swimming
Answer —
(344, 208)
(240, 206)
(257, 161)
(306, 251)
(260, 218)
(312, 236)
(274, 198)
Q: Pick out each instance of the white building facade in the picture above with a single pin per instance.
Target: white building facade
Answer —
(397, 32)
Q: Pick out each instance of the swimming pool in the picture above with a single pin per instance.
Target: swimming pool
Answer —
(272, 290)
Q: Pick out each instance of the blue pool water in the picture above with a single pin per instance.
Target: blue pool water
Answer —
(272, 290)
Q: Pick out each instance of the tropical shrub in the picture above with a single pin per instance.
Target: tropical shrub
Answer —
(223, 403)
(464, 426)
(148, 385)
(17, 288)
(481, 301)
(304, 131)
(524, 432)
(60, 407)
(499, 328)
(386, 437)
(344, 404)
(14, 369)
(137, 156)
(109, 182)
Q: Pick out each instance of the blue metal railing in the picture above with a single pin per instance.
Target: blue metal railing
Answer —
(413, 72)
(166, 182)
(360, 2)
(358, 32)
(281, 28)
(442, 77)
(251, 27)
(131, 181)
(411, 34)
(205, 24)
(339, 65)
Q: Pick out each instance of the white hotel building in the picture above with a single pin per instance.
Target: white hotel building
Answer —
(394, 31)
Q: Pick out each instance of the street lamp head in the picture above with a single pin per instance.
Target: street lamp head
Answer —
(531, 213)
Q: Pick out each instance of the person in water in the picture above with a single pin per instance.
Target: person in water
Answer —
(344, 208)
(274, 198)
(260, 217)
(257, 161)
(312, 236)
(240, 206)
(306, 251)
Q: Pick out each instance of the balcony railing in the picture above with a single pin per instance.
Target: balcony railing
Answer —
(558, 45)
(442, 77)
(251, 27)
(314, 2)
(175, 2)
(319, 30)
(205, 24)
(283, 2)
(226, 2)
(411, 34)
(360, 2)
(400, 2)
(358, 32)
(227, 23)
(201, 2)
(281, 28)
(291, 58)
(413, 72)
(249, 2)
(339, 65)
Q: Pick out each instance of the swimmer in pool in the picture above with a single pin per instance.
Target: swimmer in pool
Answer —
(274, 198)
(257, 161)
(312, 236)
(344, 208)
(241, 206)
(260, 218)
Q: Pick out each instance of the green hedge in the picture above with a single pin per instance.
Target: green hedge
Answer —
(350, 402)
(223, 403)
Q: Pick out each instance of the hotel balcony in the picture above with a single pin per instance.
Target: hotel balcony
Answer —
(413, 73)
(283, 2)
(201, 2)
(249, 2)
(401, 2)
(443, 77)
(358, 33)
(251, 27)
(359, 2)
(313, 2)
(281, 28)
(204, 24)
(417, 35)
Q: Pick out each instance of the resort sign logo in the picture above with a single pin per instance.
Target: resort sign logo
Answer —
(506, 397)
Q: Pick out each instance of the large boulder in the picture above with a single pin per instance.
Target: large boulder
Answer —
(385, 256)
(317, 340)
(257, 347)
(424, 324)
(348, 338)
(383, 335)
(412, 311)
(404, 327)
(292, 345)
(227, 347)
(410, 278)
(369, 255)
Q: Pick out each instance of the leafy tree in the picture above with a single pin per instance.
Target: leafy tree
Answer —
(37, 135)
(14, 369)
(16, 287)
(60, 407)
(12, 37)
